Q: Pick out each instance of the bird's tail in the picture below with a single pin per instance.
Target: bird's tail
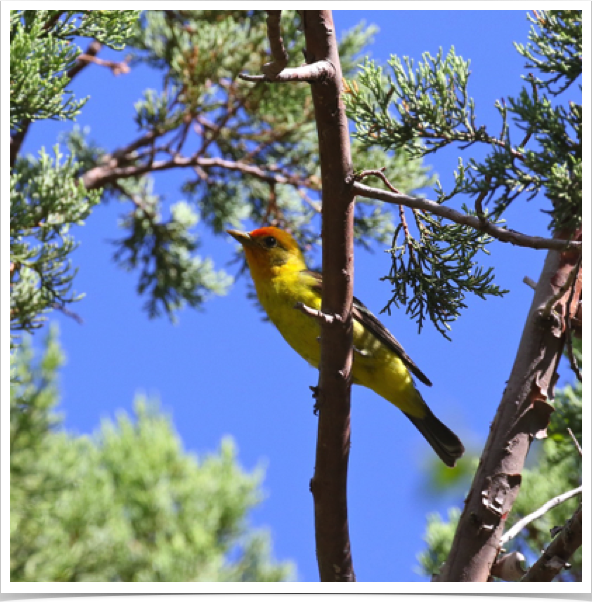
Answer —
(444, 442)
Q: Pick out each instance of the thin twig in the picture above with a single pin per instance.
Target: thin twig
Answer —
(511, 533)
(272, 208)
(83, 60)
(146, 139)
(405, 226)
(576, 321)
(480, 198)
(501, 234)
(378, 173)
(69, 313)
(315, 205)
(202, 174)
(180, 137)
(270, 137)
(573, 437)
(530, 282)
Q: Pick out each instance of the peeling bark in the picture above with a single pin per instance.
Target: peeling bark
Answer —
(523, 414)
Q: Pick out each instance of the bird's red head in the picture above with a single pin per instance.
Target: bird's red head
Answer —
(269, 249)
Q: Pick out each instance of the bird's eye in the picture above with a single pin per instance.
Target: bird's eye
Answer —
(270, 242)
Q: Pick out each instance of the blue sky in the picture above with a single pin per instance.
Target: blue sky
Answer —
(220, 371)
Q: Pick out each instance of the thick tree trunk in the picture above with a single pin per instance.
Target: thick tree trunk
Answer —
(329, 483)
(523, 414)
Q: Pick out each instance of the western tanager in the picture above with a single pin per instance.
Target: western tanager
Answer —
(380, 363)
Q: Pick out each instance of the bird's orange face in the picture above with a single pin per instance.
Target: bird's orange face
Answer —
(268, 250)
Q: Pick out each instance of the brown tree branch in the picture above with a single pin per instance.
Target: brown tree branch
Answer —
(117, 67)
(83, 60)
(329, 483)
(316, 72)
(108, 173)
(17, 140)
(560, 550)
(502, 234)
(52, 21)
(523, 414)
(146, 139)
(379, 173)
(276, 45)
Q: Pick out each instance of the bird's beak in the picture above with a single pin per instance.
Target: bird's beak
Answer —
(243, 237)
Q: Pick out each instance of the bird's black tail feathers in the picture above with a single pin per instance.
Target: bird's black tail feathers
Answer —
(444, 442)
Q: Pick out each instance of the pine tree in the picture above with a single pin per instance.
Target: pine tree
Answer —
(127, 503)
(256, 156)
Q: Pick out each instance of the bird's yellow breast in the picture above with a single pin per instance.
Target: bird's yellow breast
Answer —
(279, 297)
(374, 366)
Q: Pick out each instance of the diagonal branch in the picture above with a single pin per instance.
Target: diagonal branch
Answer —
(555, 558)
(84, 59)
(576, 443)
(117, 67)
(522, 415)
(146, 139)
(513, 532)
(501, 234)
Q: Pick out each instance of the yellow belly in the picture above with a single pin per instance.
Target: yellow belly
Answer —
(375, 366)
(300, 331)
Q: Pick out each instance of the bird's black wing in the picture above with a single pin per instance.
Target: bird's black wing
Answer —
(367, 319)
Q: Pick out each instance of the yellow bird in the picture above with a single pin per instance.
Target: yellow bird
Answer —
(380, 363)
